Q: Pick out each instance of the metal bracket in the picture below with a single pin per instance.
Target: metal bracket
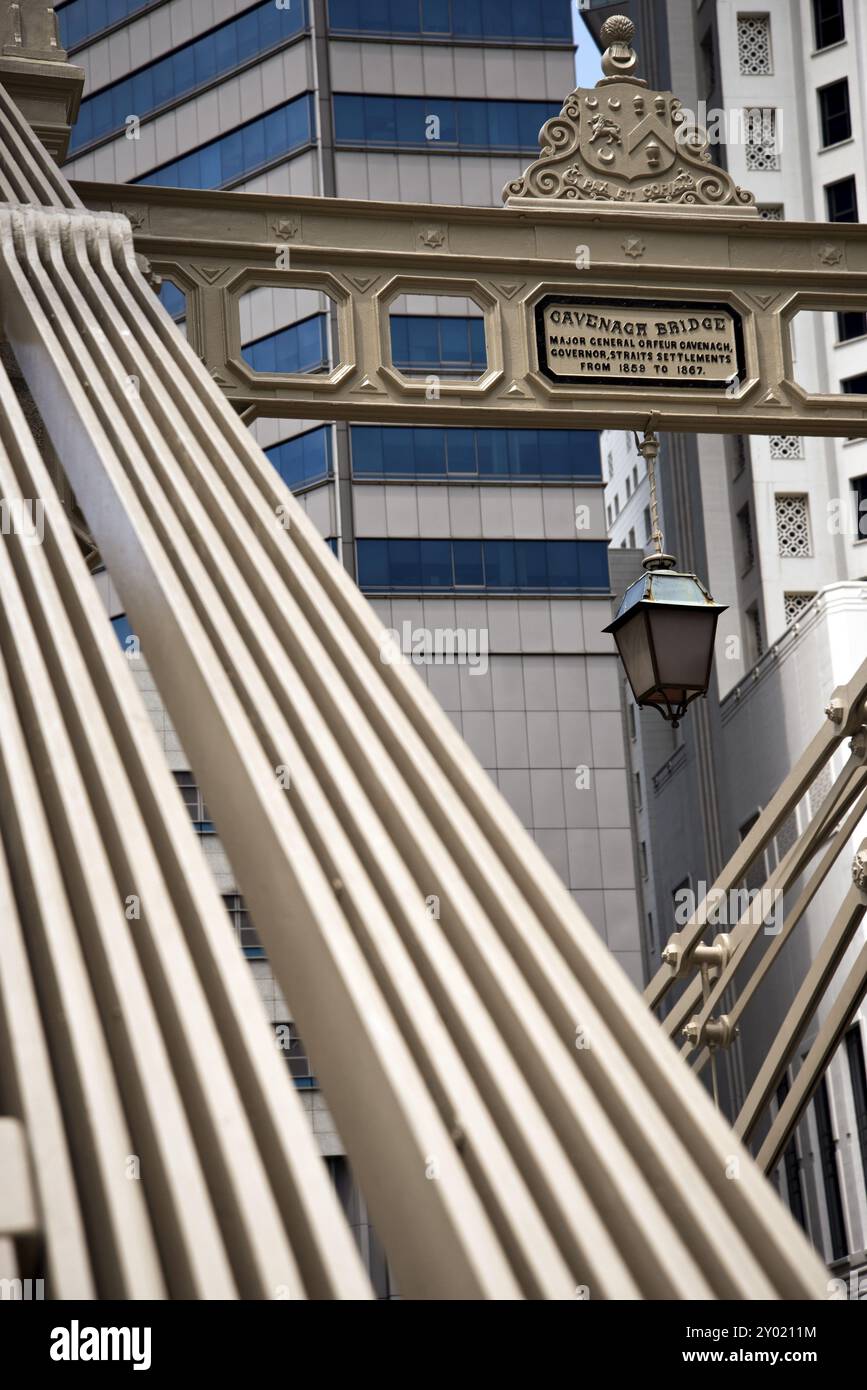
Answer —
(717, 1032)
(715, 957)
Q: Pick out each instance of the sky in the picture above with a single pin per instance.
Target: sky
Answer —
(587, 54)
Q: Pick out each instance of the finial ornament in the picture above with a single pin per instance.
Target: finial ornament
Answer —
(620, 142)
(619, 58)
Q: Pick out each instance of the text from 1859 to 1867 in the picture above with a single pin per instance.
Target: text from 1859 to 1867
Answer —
(634, 343)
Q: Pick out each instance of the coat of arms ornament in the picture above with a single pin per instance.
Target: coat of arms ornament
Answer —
(621, 142)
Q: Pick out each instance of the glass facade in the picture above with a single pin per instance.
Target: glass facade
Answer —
(512, 565)
(526, 21)
(302, 347)
(295, 1052)
(173, 300)
(433, 123)
(80, 20)
(245, 933)
(422, 342)
(189, 67)
(194, 802)
(232, 157)
(398, 451)
(123, 630)
(304, 459)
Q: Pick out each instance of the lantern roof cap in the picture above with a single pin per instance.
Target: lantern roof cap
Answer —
(664, 586)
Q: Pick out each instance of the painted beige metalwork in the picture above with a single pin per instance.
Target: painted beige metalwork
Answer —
(723, 963)
(657, 226)
(520, 1125)
(217, 245)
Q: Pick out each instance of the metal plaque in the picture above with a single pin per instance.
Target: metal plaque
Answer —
(623, 342)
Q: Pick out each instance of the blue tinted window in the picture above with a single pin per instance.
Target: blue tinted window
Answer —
(463, 122)
(367, 450)
(593, 565)
(478, 352)
(500, 572)
(123, 630)
(461, 452)
(570, 451)
(302, 347)
(391, 447)
(503, 125)
(427, 341)
(233, 156)
(468, 19)
(514, 565)
(469, 568)
(563, 569)
(373, 564)
(423, 452)
(173, 299)
(304, 458)
(435, 16)
(436, 563)
(181, 72)
(455, 346)
(80, 19)
(427, 448)
(530, 561)
(492, 452)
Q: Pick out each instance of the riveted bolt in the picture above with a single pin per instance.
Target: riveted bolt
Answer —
(691, 1030)
(835, 711)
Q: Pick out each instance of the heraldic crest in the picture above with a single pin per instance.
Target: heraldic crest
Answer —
(620, 142)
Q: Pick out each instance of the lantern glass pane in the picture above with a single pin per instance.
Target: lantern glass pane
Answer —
(676, 588)
(633, 594)
(682, 639)
(634, 645)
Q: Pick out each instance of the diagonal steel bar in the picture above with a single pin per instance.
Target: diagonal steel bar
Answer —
(824, 1046)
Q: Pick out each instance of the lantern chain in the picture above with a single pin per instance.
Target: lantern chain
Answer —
(648, 447)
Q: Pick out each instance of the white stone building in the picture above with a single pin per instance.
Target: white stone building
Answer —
(775, 525)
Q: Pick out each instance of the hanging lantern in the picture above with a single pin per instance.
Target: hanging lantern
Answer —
(665, 627)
